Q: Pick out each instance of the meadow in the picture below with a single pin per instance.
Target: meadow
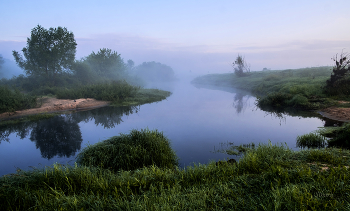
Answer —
(302, 89)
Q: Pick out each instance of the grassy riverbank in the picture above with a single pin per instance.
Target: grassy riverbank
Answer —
(299, 88)
(267, 177)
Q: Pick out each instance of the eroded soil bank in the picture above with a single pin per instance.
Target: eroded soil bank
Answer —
(47, 105)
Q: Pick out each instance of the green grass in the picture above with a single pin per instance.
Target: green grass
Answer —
(143, 96)
(327, 137)
(267, 177)
(311, 140)
(299, 88)
(130, 151)
(114, 91)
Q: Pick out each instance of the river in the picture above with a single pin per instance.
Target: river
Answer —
(198, 121)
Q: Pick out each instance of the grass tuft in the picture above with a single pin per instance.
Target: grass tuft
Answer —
(130, 151)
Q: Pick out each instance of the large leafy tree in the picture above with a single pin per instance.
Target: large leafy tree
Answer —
(106, 63)
(48, 52)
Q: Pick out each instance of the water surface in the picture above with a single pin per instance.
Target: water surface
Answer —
(196, 120)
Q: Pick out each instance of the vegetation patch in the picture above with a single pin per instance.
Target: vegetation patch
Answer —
(130, 151)
(300, 88)
(268, 177)
(12, 100)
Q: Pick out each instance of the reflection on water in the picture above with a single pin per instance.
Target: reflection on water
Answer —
(240, 102)
(195, 119)
(57, 136)
(60, 135)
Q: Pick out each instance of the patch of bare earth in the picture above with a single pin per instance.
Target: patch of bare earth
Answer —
(335, 113)
(55, 105)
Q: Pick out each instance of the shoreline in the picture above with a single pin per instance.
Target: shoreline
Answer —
(52, 104)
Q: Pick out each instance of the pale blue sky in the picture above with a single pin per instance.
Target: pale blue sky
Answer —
(201, 36)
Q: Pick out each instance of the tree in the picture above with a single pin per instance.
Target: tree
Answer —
(106, 63)
(1, 61)
(240, 66)
(48, 52)
(155, 71)
(130, 64)
(339, 80)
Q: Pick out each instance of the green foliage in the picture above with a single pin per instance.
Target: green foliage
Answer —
(130, 151)
(48, 52)
(338, 83)
(114, 91)
(268, 177)
(154, 71)
(311, 140)
(106, 63)
(13, 100)
(300, 88)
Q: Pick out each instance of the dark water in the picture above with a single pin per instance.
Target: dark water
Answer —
(197, 121)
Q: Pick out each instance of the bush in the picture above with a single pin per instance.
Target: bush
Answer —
(130, 151)
(13, 100)
(276, 99)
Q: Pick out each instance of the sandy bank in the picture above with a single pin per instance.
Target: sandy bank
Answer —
(52, 104)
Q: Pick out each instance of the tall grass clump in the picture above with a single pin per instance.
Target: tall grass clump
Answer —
(311, 140)
(13, 100)
(130, 151)
(113, 91)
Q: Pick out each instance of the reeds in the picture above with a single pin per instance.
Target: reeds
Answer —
(311, 140)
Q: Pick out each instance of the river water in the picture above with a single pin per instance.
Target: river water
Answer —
(198, 121)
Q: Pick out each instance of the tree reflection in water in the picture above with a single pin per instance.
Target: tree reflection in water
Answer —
(61, 135)
(240, 102)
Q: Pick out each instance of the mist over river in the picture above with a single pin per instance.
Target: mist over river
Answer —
(198, 121)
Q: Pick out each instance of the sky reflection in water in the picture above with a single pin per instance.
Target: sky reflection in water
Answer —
(196, 120)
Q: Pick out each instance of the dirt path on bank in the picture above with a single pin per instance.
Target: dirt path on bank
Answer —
(55, 105)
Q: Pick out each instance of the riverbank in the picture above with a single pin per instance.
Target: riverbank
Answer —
(300, 89)
(47, 105)
(267, 177)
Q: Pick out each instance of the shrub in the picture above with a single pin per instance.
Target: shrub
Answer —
(130, 151)
(13, 100)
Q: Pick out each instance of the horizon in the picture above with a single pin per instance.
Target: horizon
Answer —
(203, 37)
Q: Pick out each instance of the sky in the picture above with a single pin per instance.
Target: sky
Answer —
(190, 36)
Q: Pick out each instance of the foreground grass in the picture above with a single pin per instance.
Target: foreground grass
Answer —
(300, 88)
(268, 177)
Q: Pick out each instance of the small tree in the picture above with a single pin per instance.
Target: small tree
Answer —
(48, 52)
(338, 83)
(240, 66)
